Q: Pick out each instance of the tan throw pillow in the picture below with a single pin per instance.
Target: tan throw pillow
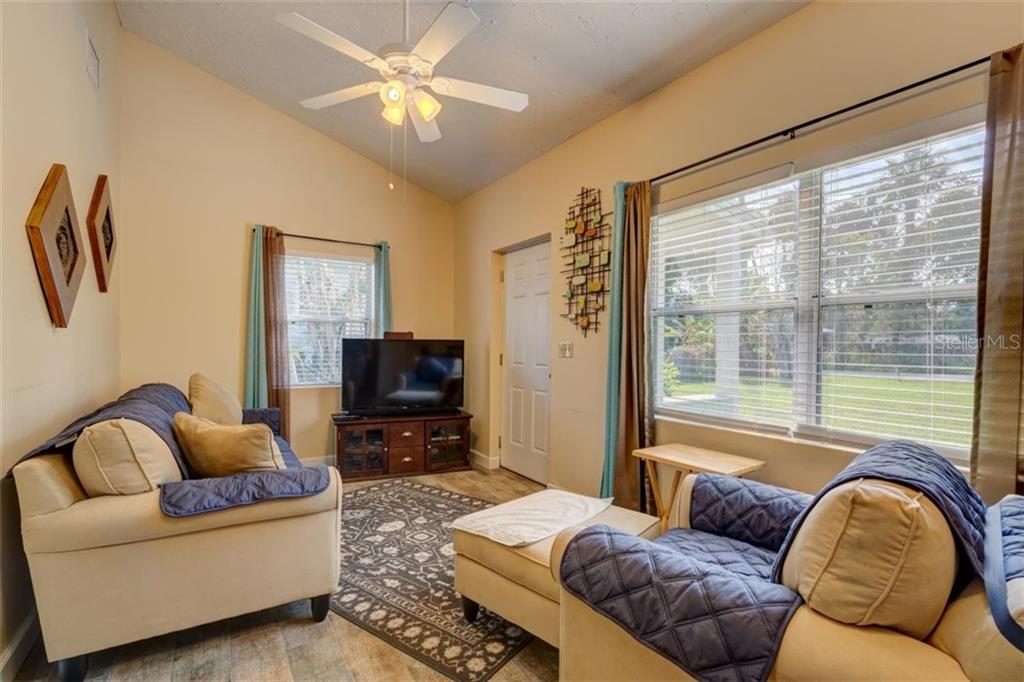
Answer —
(211, 401)
(874, 553)
(214, 450)
(122, 457)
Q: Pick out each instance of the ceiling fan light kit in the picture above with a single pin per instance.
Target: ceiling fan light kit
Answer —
(408, 71)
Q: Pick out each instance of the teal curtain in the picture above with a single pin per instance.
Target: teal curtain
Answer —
(256, 393)
(614, 378)
(382, 274)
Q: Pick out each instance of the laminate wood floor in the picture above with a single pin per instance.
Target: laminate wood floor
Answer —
(283, 643)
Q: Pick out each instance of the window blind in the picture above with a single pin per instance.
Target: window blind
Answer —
(328, 299)
(838, 301)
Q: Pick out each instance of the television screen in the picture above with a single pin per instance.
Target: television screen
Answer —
(392, 376)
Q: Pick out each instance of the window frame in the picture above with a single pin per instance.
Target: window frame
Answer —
(808, 303)
(373, 322)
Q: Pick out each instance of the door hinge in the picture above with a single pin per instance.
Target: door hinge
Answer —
(501, 276)
(501, 359)
(499, 442)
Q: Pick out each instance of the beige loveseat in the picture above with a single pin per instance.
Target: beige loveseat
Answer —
(113, 569)
(912, 630)
(111, 564)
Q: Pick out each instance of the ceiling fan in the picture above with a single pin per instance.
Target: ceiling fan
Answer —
(408, 71)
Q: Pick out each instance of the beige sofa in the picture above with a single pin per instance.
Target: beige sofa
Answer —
(964, 644)
(113, 569)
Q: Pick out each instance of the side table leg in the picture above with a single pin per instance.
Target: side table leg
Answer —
(652, 474)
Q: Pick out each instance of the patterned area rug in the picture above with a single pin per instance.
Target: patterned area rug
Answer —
(397, 579)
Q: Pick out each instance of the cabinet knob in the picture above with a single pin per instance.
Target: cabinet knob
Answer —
(407, 434)
(407, 459)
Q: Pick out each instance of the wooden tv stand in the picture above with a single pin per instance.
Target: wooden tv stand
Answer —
(382, 447)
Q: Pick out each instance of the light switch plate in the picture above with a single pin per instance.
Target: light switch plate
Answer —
(565, 349)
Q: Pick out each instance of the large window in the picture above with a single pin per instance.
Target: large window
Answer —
(838, 302)
(328, 299)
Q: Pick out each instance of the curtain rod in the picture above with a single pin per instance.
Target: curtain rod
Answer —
(792, 130)
(325, 239)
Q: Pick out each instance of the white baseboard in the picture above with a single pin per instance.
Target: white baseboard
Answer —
(18, 648)
(483, 461)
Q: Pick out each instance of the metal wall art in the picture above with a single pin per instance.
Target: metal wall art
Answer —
(586, 260)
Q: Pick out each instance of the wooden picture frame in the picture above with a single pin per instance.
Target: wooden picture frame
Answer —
(57, 246)
(102, 234)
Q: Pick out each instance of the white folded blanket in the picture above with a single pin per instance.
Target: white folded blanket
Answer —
(531, 518)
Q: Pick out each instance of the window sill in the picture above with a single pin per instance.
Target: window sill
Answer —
(847, 448)
(778, 435)
(297, 387)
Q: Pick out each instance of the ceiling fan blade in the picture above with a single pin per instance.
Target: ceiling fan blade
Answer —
(426, 130)
(313, 30)
(482, 94)
(343, 95)
(453, 24)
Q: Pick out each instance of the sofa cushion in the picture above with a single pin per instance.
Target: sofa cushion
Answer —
(968, 633)
(212, 401)
(108, 520)
(122, 457)
(215, 450)
(872, 552)
(529, 565)
(735, 556)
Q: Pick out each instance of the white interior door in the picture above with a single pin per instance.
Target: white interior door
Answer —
(527, 372)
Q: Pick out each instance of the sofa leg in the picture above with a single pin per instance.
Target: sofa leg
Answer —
(470, 609)
(320, 606)
(72, 669)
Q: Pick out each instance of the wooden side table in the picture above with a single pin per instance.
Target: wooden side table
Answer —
(688, 459)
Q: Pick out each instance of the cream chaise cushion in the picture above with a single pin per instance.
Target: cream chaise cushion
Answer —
(122, 457)
(215, 450)
(212, 401)
(872, 552)
(530, 565)
(968, 633)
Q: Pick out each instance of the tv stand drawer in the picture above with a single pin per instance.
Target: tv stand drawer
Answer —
(405, 460)
(405, 434)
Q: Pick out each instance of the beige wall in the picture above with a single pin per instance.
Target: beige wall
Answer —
(203, 161)
(51, 114)
(818, 59)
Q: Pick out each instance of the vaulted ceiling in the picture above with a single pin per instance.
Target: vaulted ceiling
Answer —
(578, 61)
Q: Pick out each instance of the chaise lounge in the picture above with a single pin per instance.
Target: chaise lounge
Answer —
(875, 584)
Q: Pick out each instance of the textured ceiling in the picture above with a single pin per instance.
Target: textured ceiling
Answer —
(579, 62)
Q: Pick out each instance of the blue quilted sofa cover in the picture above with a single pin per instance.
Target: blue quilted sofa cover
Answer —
(155, 406)
(708, 598)
(702, 597)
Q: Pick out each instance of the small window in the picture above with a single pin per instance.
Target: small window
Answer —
(328, 300)
(837, 302)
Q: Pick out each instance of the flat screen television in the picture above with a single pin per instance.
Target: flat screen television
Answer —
(385, 377)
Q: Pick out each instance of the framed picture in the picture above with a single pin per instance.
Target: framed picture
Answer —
(101, 232)
(57, 245)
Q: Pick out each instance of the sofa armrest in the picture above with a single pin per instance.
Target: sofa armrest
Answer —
(46, 483)
(271, 416)
(122, 519)
(756, 513)
(558, 551)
